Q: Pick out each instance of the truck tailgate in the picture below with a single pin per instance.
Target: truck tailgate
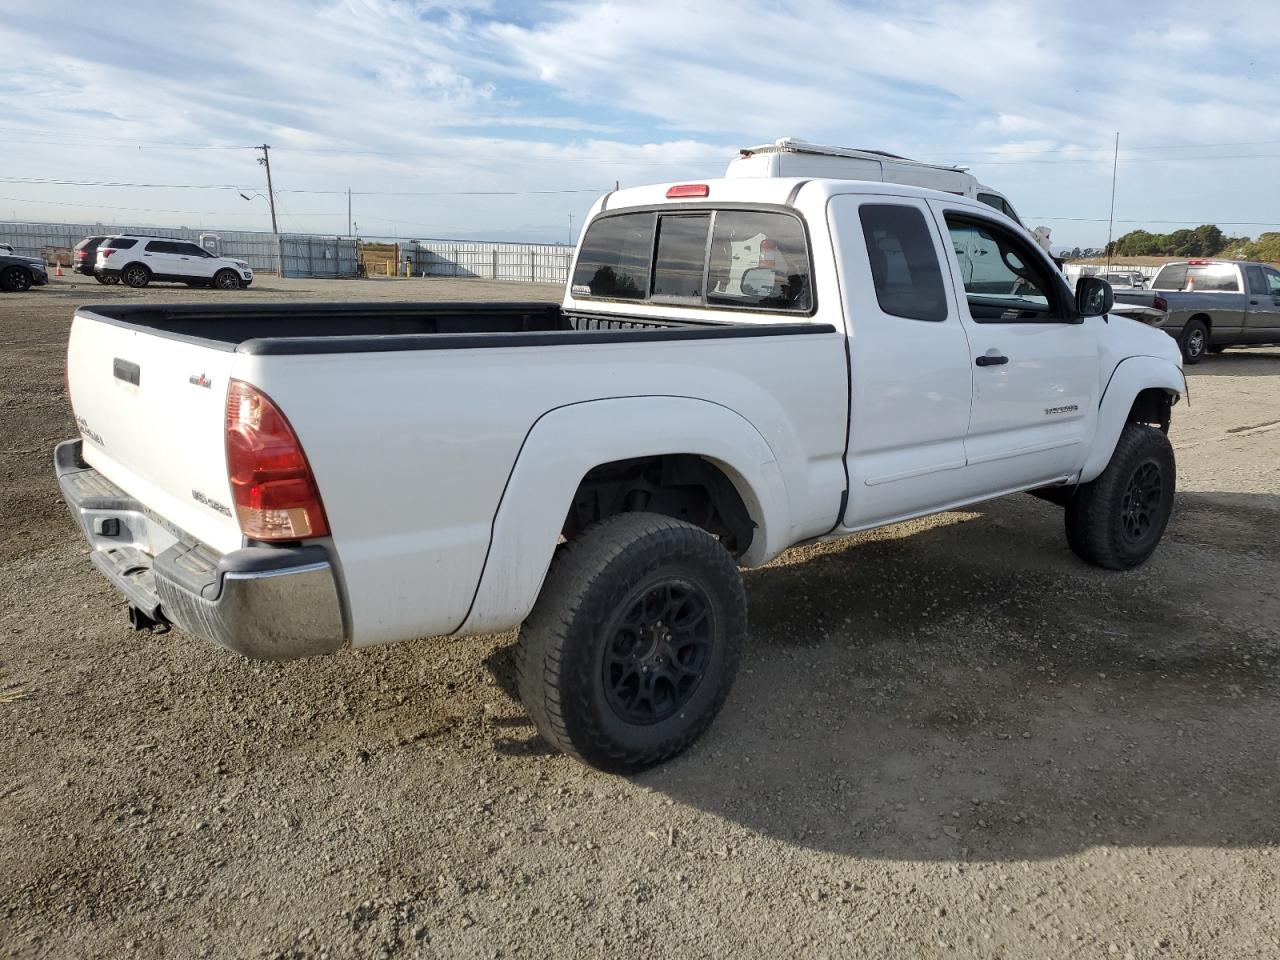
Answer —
(151, 411)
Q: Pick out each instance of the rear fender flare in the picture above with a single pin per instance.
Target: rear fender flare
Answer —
(1130, 377)
(567, 442)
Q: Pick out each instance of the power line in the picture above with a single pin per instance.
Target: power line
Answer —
(49, 181)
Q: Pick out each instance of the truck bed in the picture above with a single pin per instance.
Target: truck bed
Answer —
(318, 328)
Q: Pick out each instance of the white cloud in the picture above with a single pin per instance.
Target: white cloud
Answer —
(578, 93)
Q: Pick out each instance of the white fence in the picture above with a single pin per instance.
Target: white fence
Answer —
(533, 262)
(297, 255)
(312, 255)
(1076, 270)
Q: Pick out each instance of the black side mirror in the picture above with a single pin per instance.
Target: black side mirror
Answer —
(1094, 297)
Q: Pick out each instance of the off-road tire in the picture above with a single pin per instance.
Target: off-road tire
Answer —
(135, 275)
(15, 280)
(571, 640)
(1194, 341)
(1116, 520)
(226, 280)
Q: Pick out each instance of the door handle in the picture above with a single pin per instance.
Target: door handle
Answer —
(991, 359)
(1253, 303)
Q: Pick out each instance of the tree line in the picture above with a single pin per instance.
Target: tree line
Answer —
(1206, 240)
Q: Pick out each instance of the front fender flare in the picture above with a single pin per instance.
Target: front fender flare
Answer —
(1130, 377)
(565, 443)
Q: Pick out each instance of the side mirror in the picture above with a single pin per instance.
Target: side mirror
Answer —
(1094, 297)
(758, 282)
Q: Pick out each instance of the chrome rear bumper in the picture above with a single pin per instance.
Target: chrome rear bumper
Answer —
(268, 603)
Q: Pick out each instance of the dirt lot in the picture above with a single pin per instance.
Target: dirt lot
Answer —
(949, 738)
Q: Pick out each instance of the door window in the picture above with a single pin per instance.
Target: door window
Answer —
(163, 246)
(1004, 280)
(1273, 281)
(191, 250)
(904, 262)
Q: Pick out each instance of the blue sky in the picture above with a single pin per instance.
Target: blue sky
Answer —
(421, 107)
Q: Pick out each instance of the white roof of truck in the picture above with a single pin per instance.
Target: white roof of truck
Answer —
(794, 145)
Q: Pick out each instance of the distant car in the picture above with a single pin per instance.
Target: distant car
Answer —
(137, 261)
(21, 273)
(86, 258)
(6, 248)
(1127, 280)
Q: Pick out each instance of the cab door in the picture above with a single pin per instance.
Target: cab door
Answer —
(195, 261)
(1034, 359)
(910, 376)
(1262, 319)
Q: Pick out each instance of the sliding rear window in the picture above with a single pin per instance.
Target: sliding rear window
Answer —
(737, 259)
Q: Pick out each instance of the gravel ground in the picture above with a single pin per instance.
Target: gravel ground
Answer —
(949, 738)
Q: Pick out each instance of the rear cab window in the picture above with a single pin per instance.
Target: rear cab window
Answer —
(904, 263)
(1218, 277)
(732, 259)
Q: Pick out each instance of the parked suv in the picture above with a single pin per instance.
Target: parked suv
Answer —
(86, 258)
(137, 261)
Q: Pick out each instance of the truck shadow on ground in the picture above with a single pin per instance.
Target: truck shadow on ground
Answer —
(1253, 362)
(972, 691)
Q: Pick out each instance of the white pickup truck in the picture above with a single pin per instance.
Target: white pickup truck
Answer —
(738, 366)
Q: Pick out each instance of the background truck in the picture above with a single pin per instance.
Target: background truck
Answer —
(1215, 304)
(291, 479)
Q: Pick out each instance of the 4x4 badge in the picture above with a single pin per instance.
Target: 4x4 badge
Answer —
(200, 380)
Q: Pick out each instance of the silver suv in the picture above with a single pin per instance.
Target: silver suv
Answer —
(136, 261)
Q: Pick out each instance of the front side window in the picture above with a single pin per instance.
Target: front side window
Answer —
(1004, 281)
(904, 263)
(1273, 281)
(755, 259)
(1256, 279)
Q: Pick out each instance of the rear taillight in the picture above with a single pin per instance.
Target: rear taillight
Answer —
(1160, 303)
(272, 486)
(81, 254)
(768, 254)
(688, 190)
(106, 252)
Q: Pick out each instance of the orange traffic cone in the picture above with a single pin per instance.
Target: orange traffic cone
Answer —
(58, 272)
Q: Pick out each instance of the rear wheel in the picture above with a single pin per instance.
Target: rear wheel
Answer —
(634, 642)
(135, 275)
(15, 280)
(1116, 520)
(226, 280)
(1194, 341)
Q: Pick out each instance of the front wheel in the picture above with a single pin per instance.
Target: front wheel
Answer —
(226, 280)
(1194, 341)
(1116, 520)
(634, 642)
(15, 280)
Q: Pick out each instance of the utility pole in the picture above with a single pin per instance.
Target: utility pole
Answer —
(348, 211)
(1115, 161)
(265, 160)
(571, 229)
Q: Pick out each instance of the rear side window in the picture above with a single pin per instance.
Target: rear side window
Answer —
(164, 246)
(755, 260)
(119, 243)
(904, 262)
(1256, 278)
(614, 260)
